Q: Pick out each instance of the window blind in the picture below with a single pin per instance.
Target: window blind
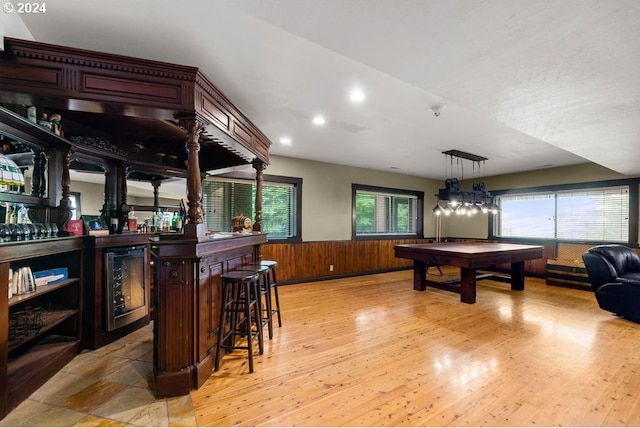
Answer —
(385, 213)
(223, 199)
(596, 214)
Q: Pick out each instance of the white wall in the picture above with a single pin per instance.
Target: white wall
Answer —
(11, 25)
(326, 194)
(326, 199)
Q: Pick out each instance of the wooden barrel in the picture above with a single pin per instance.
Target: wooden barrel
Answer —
(239, 223)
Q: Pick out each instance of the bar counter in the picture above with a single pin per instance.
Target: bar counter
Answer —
(187, 283)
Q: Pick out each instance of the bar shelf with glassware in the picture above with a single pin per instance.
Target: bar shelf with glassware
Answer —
(40, 290)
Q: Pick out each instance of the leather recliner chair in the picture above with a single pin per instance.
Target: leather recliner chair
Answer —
(614, 273)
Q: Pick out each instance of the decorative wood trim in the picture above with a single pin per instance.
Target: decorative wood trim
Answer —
(99, 143)
(92, 59)
(158, 90)
(259, 140)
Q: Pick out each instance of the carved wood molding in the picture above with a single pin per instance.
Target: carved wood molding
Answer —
(99, 143)
(100, 60)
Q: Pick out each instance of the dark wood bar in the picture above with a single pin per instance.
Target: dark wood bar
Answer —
(128, 119)
(187, 289)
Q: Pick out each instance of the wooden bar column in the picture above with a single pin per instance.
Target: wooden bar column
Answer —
(105, 196)
(195, 226)
(38, 180)
(124, 205)
(156, 194)
(64, 209)
(259, 166)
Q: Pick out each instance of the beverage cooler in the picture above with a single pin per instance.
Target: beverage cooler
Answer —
(126, 276)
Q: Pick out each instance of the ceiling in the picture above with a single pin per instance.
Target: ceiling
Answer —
(526, 84)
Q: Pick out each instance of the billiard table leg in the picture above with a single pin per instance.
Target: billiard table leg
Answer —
(467, 285)
(419, 275)
(517, 276)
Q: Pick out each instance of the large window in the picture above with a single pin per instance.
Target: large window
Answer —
(380, 212)
(593, 212)
(225, 198)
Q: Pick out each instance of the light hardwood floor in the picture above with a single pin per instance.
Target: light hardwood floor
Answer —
(371, 351)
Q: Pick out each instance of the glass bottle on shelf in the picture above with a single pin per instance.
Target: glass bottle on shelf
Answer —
(132, 221)
(174, 221)
(113, 222)
(14, 215)
(5, 233)
(16, 232)
(158, 221)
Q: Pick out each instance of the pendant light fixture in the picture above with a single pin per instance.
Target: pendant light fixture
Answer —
(453, 199)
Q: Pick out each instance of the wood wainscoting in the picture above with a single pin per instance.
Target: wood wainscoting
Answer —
(312, 261)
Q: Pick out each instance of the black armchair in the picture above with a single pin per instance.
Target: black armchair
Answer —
(614, 273)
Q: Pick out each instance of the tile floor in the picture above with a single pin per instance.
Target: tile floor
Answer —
(111, 386)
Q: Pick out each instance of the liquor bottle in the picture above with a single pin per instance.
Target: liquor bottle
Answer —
(178, 223)
(132, 221)
(14, 214)
(113, 222)
(166, 221)
(174, 221)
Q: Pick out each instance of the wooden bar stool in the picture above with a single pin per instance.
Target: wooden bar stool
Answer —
(273, 285)
(265, 291)
(240, 311)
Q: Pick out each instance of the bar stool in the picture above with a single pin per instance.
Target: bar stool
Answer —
(265, 290)
(240, 310)
(273, 285)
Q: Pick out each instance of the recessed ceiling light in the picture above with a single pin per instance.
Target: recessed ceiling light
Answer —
(357, 96)
(319, 120)
(286, 141)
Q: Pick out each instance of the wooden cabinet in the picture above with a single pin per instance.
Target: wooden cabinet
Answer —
(40, 330)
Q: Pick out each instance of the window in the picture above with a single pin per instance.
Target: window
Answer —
(226, 197)
(594, 212)
(379, 212)
(76, 212)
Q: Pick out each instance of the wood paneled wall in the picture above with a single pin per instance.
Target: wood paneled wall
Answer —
(311, 261)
